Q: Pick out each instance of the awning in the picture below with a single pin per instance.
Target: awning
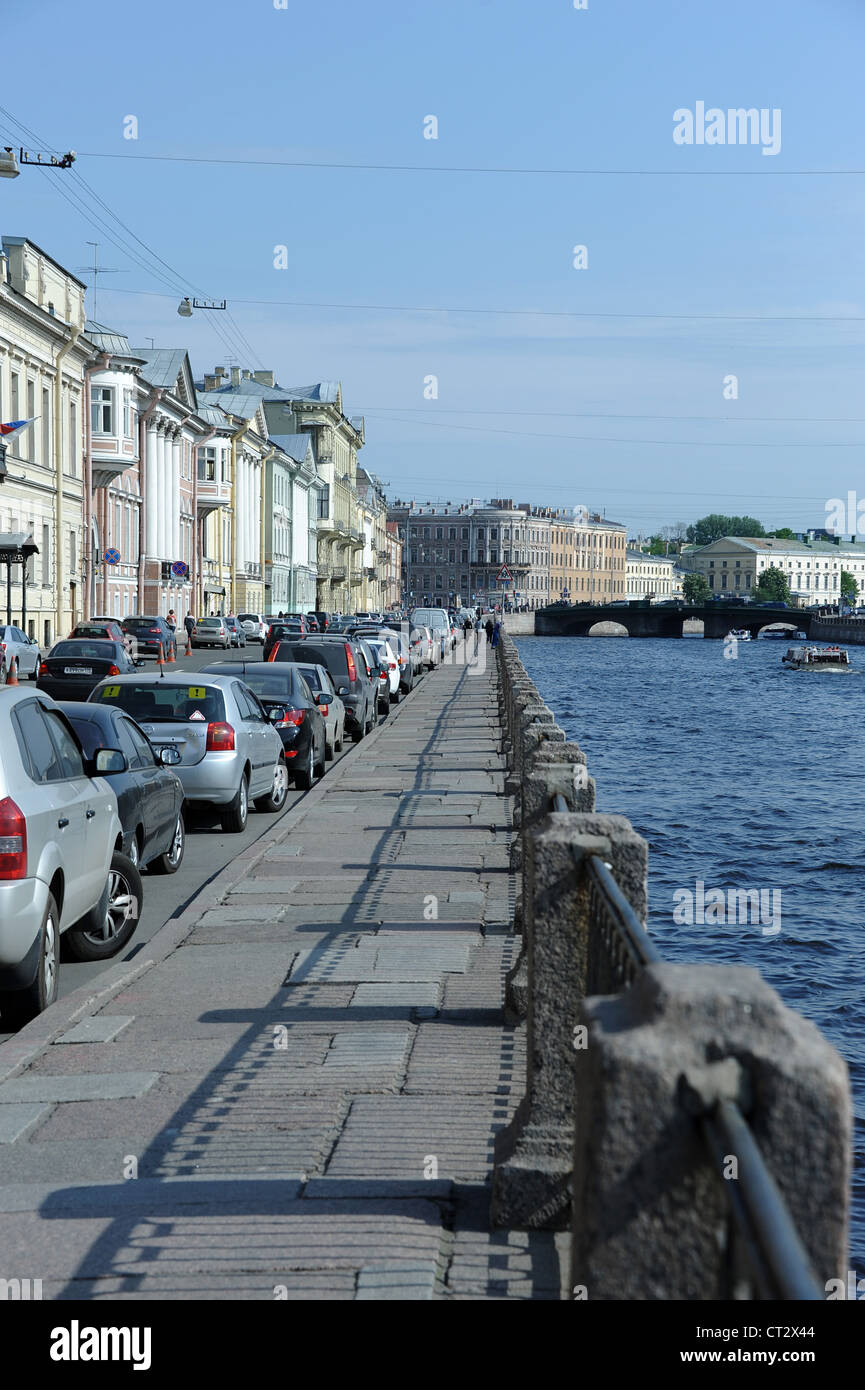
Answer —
(16, 547)
(213, 589)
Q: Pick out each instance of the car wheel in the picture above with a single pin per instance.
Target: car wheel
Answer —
(275, 800)
(359, 733)
(234, 817)
(394, 698)
(18, 1006)
(171, 860)
(305, 779)
(329, 749)
(320, 768)
(107, 927)
(339, 738)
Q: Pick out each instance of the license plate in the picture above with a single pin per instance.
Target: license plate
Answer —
(78, 670)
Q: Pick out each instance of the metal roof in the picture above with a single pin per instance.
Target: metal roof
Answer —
(297, 446)
(236, 402)
(107, 339)
(164, 365)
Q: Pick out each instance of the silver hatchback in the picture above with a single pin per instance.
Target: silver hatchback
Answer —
(230, 753)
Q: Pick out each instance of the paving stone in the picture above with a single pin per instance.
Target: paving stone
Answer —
(17, 1119)
(405, 996)
(86, 1086)
(98, 1028)
(403, 1282)
(260, 884)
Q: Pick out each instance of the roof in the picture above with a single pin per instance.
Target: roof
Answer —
(772, 545)
(241, 403)
(25, 241)
(107, 339)
(297, 446)
(163, 365)
(319, 391)
(212, 415)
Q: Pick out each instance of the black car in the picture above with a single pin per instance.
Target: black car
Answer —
(299, 722)
(278, 630)
(323, 619)
(75, 666)
(349, 667)
(149, 795)
(150, 634)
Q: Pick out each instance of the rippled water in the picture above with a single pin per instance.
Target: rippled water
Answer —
(741, 774)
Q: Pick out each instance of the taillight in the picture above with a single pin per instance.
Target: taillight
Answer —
(382, 675)
(156, 630)
(324, 709)
(220, 738)
(43, 668)
(114, 670)
(352, 670)
(292, 716)
(391, 665)
(13, 840)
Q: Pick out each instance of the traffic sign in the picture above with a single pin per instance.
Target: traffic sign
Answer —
(504, 575)
(180, 569)
(112, 557)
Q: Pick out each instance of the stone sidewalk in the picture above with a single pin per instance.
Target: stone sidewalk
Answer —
(297, 1097)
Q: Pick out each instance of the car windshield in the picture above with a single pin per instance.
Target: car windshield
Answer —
(160, 702)
(78, 650)
(271, 688)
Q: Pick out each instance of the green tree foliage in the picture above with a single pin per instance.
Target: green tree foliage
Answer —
(783, 534)
(849, 587)
(695, 588)
(772, 584)
(715, 525)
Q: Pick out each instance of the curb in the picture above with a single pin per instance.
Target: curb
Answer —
(36, 1037)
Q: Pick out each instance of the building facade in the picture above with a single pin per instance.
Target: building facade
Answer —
(601, 545)
(44, 354)
(733, 565)
(648, 576)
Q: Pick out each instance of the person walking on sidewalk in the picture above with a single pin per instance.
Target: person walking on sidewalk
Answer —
(171, 623)
(496, 632)
(189, 624)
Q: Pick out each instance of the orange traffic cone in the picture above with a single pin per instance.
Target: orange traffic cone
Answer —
(169, 660)
(160, 660)
(12, 678)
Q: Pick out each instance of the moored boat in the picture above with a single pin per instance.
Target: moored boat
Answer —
(738, 634)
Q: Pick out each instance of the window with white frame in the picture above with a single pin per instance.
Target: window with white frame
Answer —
(101, 409)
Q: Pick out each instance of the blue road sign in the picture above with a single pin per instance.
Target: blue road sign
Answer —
(112, 557)
(180, 569)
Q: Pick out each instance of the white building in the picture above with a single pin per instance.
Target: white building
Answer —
(648, 576)
(733, 564)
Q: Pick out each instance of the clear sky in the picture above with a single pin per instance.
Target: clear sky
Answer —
(622, 410)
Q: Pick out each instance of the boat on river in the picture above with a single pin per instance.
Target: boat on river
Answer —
(817, 659)
(738, 634)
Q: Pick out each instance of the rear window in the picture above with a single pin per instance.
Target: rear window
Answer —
(89, 734)
(276, 686)
(79, 650)
(165, 703)
(331, 655)
(248, 618)
(209, 622)
(140, 622)
(89, 630)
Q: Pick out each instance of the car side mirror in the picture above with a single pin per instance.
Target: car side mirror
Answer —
(343, 690)
(108, 761)
(276, 714)
(323, 697)
(169, 757)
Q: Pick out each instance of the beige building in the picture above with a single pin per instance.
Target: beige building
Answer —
(43, 357)
(648, 576)
(600, 571)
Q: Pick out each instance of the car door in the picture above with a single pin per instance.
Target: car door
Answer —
(85, 804)
(257, 746)
(136, 791)
(164, 786)
(53, 814)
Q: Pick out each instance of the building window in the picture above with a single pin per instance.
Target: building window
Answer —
(324, 503)
(452, 533)
(465, 530)
(101, 403)
(15, 410)
(73, 439)
(46, 429)
(440, 533)
(72, 555)
(46, 557)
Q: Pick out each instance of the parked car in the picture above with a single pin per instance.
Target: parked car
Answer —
(14, 643)
(436, 619)
(62, 872)
(345, 661)
(254, 626)
(151, 634)
(292, 709)
(229, 751)
(320, 682)
(430, 648)
(211, 632)
(75, 665)
(149, 795)
(406, 653)
(324, 619)
(388, 665)
(235, 631)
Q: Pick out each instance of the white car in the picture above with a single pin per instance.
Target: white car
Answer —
(385, 652)
(61, 869)
(254, 626)
(25, 650)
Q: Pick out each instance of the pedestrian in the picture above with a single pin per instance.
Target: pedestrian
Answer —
(189, 624)
(489, 627)
(496, 631)
(171, 623)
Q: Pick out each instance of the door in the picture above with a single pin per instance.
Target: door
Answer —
(168, 796)
(257, 745)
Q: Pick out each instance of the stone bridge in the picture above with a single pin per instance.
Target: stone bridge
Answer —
(657, 620)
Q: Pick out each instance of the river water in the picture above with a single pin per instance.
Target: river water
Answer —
(740, 774)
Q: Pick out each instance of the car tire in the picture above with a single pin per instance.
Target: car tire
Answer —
(275, 799)
(306, 777)
(171, 860)
(320, 768)
(233, 819)
(118, 911)
(338, 742)
(19, 1006)
(329, 748)
(394, 698)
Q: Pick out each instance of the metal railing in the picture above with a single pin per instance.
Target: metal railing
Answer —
(765, 1245)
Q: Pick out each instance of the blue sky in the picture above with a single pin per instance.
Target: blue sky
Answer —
(533, 405)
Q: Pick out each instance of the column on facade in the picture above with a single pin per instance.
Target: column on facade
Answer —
(150, 503)
(176, 447)
(160, 491)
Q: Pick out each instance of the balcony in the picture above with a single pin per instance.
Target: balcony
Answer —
(212, 495)
(111, 455)
(337, 574)
(356, 577)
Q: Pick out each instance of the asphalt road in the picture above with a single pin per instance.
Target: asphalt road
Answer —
(208, 849)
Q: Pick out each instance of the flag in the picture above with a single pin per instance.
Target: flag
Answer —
(14, 427)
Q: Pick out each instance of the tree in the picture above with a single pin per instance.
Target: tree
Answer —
(696, 589)
(849, 587)
(773, 585)
(783, 534)
(656, 546)
(715, 525)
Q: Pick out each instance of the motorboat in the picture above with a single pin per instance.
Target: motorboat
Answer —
(738, 634)
(817, 659)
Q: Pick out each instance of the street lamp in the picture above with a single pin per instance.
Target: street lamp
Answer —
(8, 164)
(186, 306)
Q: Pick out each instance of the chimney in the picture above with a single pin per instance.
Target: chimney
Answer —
(247, 375)
(235, 376)
(210, 382)
(264, 378)
(219, 373)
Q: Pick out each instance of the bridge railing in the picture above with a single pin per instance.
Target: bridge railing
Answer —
(683, 1121)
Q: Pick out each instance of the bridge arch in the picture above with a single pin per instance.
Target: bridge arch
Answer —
(607, 628)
